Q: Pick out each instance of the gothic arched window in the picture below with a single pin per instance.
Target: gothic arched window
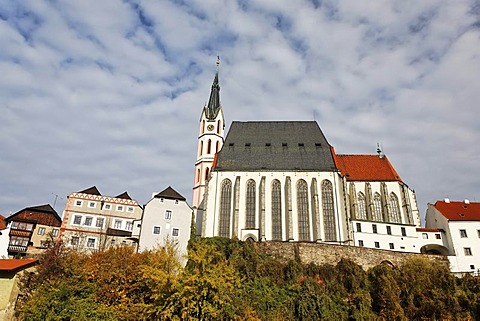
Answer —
(250, 204)
(217, 149)
(302, 206)
(198, 175)
(395, 209)
(362, 208)
(328, 211)
(209, 147)
(219, 124)
(207, 171)
(377, 208)
(276, 210)
(225, 208)
(201, 148)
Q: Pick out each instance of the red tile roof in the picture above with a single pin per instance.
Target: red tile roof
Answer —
(459, 211)
(14, 264)
(3, 224)
(366, 168)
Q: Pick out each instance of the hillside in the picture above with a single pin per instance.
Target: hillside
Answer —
(230, 280)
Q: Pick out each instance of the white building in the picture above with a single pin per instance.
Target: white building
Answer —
(460, 222)
(283, 181)
(4, 237)
(166, 217)
(92, 221)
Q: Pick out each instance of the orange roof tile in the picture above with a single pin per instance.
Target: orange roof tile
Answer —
(366, 168)
(3, 224)
(459, 211)
(14, 264)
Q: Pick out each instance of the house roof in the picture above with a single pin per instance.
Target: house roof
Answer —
(459, 211)
(366, 168)
(124, 195)
(42, 214)
(15, 264)
(92, 191)
(275, 145)
(428, 229)
(3, 224)
(170, 193)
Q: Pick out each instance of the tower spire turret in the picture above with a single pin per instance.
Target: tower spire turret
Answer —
(211, 110)
(210, 141)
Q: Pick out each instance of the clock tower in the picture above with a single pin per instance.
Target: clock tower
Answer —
(210, 141)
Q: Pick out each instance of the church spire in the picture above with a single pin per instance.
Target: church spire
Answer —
(211, 110)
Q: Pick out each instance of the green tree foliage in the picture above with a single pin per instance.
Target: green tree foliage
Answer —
(230, 280)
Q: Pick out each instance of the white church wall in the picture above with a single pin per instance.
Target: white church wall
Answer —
(214, 194)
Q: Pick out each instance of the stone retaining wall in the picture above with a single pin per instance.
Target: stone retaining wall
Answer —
(321, 253)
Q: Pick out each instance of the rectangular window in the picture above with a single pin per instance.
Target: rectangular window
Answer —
(88, 221)
(129, 226)
(176, 202)
(404, 232)
(168, 214)
(77, 219)
(156, 229)
(472, 267)
(75, 240)
(463, 233)
(14, 225)
(130, 209)
(468, 251)
(78, 203)
(360, 243)
(389, 230)
(91, 243)
(29, 227)
(392, 246)
(107, 207)
(437, 236)
(55, 232)
(120, 208)
(22, 226)
(99, 222)
(41, 231)
(359, 227)
(374, 228)
(92, 204)
(118, 224)
(175, 232)
(425, 235)
(377, 245)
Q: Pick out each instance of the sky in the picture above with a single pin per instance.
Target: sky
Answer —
(109, 93)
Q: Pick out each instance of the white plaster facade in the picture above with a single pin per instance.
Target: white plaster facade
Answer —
(263, 228)
(166, 217)
(461, 223)
(4, 240)
(92, 221)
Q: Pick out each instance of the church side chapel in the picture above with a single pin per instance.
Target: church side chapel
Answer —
(283, 181)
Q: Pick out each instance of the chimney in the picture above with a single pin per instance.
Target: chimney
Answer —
(447, 200)
(467, 201)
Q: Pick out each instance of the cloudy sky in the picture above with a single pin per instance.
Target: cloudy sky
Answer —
(109, 93)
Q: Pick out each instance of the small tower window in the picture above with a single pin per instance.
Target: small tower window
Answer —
(209, 146)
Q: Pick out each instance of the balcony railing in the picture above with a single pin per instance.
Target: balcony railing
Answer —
(17, 248)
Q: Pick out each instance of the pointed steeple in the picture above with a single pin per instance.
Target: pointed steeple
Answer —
(211, 110)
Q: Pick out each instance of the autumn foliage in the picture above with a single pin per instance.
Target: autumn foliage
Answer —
(230, 280)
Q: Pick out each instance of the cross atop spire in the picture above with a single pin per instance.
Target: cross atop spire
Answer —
(211, 110)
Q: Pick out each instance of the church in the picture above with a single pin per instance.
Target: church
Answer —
(283, 181)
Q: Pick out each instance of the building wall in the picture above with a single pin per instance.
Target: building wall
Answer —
(4, 240)
(263, 224)
(84, 211)
(321, 253)
(157, 227)
(9, 290)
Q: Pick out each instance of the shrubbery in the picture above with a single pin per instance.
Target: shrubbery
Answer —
(229, 280)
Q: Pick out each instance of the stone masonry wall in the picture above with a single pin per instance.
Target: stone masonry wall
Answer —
(321, 253)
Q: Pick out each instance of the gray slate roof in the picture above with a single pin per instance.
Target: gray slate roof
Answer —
(275, 145)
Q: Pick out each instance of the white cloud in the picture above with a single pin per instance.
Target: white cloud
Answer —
(110, 93)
